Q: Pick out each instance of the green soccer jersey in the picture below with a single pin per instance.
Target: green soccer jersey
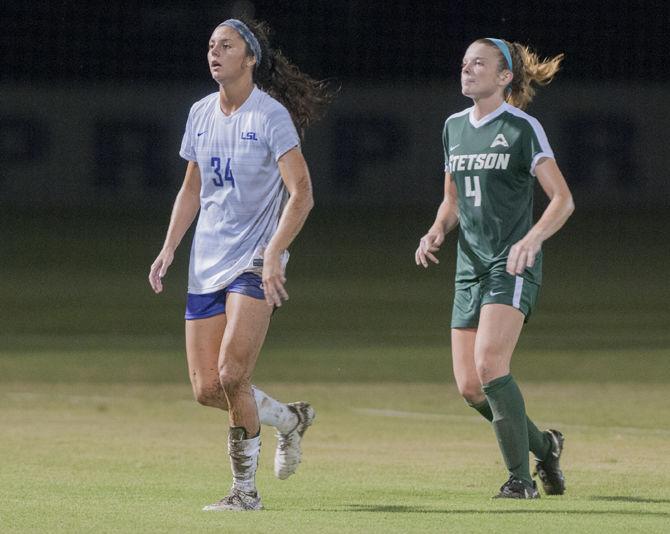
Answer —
(492, 162)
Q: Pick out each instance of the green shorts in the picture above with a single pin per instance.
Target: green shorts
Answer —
(496, 287)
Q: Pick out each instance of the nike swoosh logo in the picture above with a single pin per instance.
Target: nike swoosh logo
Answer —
(496, 293)
(200, 133)
(454, 147)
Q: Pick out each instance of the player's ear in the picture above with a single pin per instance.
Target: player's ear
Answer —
(506, 76)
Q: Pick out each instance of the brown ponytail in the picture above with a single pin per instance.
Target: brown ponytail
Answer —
(305, 98)
(528, 69)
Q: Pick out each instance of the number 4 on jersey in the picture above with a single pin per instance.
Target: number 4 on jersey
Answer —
(227, 173)
(473, 191)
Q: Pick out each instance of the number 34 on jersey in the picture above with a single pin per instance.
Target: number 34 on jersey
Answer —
(227, 176)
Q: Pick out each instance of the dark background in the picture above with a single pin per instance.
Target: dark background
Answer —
(348, 41)
(122, 75)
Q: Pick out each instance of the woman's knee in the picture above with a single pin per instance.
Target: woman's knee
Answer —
(234, 378)
(490, 365)
(236, 368)
(468, 383)
(471, 391)
(209, 394)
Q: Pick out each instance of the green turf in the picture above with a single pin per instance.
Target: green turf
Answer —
(100, 432)
(383, 457)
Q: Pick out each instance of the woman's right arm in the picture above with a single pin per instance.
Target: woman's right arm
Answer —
(445, 221)
(185, 208)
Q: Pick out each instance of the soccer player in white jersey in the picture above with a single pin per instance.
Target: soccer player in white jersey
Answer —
(494, 151)
(247, 177)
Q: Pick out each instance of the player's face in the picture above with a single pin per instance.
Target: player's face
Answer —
(480, 77)
(227, 55)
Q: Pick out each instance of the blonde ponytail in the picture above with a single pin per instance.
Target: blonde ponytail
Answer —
(528, 70)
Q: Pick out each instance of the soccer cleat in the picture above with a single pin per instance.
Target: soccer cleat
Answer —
(516, 488)
(288, 453)
(237, 501)
(549, 470)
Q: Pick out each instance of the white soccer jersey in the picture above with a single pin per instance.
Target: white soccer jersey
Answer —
(242, 193)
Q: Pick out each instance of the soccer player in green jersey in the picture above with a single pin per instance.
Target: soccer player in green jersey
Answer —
(494, 151)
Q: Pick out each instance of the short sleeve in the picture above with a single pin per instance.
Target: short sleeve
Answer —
(445, 142)
(187, 150)
(280, 132)
(536, 145)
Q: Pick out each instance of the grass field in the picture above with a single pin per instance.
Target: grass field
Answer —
(100, 432)
(383, 458)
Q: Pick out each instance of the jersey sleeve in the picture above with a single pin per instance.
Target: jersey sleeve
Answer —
(445, 142)
(536, 145)
(280, 132)
(187, 150)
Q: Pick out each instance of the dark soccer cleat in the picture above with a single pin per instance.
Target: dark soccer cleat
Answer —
(516, 488)
(549, 469)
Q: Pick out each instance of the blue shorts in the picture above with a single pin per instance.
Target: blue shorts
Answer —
(210, 304)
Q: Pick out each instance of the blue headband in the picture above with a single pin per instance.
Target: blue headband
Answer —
(502, 45)
(247, 35)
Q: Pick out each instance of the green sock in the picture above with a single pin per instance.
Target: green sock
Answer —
(484, 408)
(509, 423)
(538, 441)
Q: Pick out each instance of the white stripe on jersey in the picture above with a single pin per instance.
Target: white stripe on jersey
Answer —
(459, 114)
(242, 194)
(518, 288)
(546, 151)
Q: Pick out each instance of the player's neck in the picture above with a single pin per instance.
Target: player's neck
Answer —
(233, 95)
(484, 106)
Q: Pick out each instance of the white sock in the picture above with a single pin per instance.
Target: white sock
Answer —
(274, 413)
(244, 462)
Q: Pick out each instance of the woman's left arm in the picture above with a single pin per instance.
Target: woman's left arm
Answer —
(294, 173)
(523, 253)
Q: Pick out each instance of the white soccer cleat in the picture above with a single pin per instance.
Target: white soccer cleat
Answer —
(288, 453)
(237, 501)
